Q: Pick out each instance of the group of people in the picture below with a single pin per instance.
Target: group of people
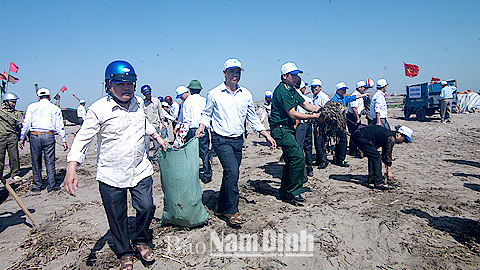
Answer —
(125, 126)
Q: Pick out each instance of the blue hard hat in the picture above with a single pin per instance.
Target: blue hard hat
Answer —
(160, 98)
(146, 89)
(120, 71)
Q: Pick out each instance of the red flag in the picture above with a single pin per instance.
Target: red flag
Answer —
(434, 80)
(12, 79)
(63, 89)
(13, 67)
(411, 70)
(3, 77)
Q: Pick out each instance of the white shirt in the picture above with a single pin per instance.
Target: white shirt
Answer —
(267, 111)
(153, 111)
(192, 109)
(167, 115)
(320, 99)
(43, 116)
(174, 110)
(121, 157)
(228, 111)
(358, 103)
(81, 112)
(378, 105)
(300, 108)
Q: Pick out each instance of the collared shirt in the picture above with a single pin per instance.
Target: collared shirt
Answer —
(379, 105)
(43, 116)
(174, 110)
(192, 109)
(380, 137)
(10, 121)
(343, 99)
(267, 110)
(302, 110)
(81, 112)
(356, 103)
(228, 111)
(153, 111)
(121, 156)
(321, 99)
(285, 97)
(368, 100)
(167, 115)
(447, 92)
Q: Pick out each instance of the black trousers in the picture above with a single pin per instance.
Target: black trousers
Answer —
(320, 144)
(341, 146)
(229, 152)
(115, 204)
(304, 139)
(352, 127)
(374, 158)
(204, 153)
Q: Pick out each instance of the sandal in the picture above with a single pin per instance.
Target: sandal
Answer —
(146, 252)
(232, 220)
(126, 263)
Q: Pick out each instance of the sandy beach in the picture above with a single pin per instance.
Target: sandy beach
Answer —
(428, 221)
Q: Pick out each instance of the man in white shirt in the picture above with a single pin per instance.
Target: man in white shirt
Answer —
(153, 111)
(378, 106)
(354, 114)
(303, 133)
(81, 111)
(42, 120)
(119, 123)
(319, 99)
(192, 108)
(228, 106)
(267, 107)
(446, 98)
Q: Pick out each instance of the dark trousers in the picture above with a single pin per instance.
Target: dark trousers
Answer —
(341, 146)
(9, 144)
(383, 121)
(320, 144)
(352, 127)
(43, 143)
(115, 203)
(294, 168)
(204, 153)
(229, 152)
(303, 136)
(374, 158)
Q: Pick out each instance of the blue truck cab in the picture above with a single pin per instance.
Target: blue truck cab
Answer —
(423, 99)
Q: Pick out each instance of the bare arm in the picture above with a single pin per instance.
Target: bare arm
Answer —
(301, 116)
(355, 112)
(309, 107)
(71, 179)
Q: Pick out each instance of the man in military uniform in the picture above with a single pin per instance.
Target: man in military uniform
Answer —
(284, 104)
(10, 121)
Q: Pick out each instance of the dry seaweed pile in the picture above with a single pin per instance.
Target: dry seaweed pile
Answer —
(332, 119)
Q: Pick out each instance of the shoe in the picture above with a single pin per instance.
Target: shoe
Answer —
(323, 165)
(299, 198)
(55, 189)
(36, 190)
(383, 186)
(341, 163)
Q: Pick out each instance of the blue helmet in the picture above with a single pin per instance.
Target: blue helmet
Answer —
(160, 98)
(120, 71)
(146, 89)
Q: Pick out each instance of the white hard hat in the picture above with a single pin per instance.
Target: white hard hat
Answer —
(407, 132)
(370, 83)
(381, 83)
(268, 93)
(361, 84)
(82, 101)
(444, 83)
(341, 85)
(316, 82)
(43, 92)
(303, 84)
(181, 90)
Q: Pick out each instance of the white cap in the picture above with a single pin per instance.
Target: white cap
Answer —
(82, 101)
(381, 83)
(303, 84)
(268, 93)
(370, 83)
(341, 85)
(180, 90)
(407, 132)
(316, 82)
(444, 83)
(361, 84)
(290, 67)
(165, 104)
(43, 92)
(232, 63)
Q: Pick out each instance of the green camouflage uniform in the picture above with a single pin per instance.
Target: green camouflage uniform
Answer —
(9, 135)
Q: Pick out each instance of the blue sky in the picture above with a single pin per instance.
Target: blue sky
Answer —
(170, 43)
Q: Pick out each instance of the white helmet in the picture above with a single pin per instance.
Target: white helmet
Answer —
(10, 97)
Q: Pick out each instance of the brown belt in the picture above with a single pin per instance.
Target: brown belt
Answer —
(39, 132)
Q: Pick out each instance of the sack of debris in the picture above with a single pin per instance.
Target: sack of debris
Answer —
(181, 187)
